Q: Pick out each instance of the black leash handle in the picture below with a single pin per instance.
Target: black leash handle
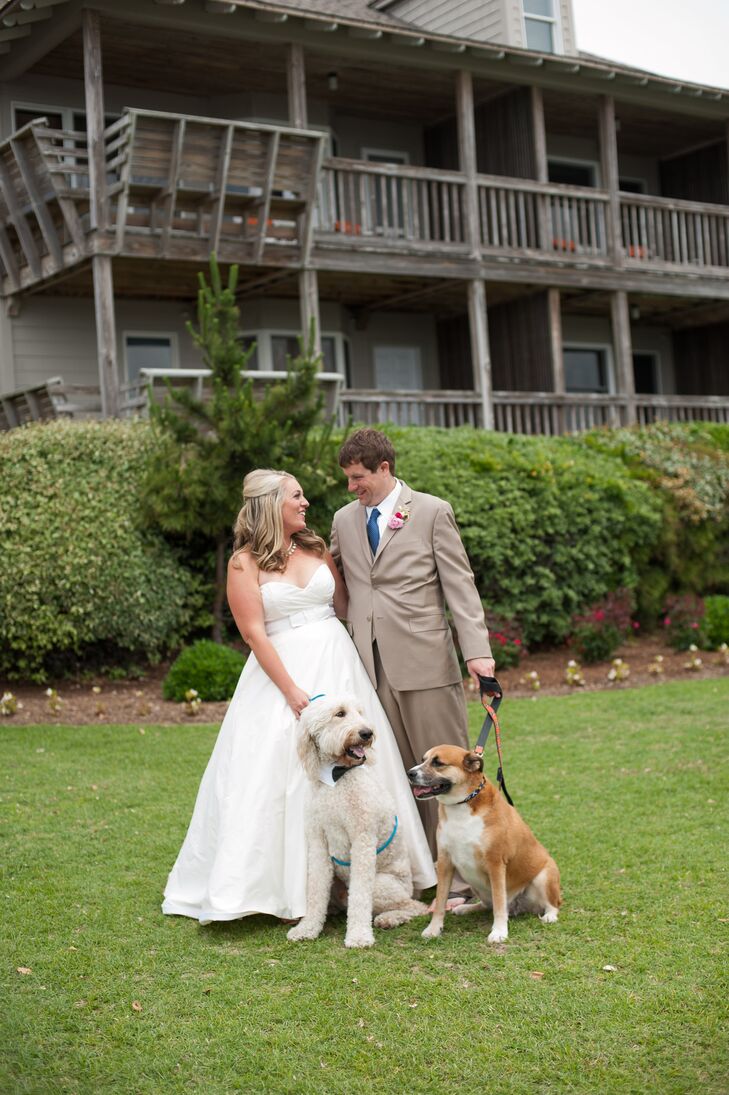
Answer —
(490, 687)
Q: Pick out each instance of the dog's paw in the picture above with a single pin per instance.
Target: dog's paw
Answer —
(498, 935)
(359, 939)
(301, 931)
(468, 908)
(432, 932)
(550, 916)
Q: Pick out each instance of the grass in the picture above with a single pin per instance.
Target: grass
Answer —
(624, 789)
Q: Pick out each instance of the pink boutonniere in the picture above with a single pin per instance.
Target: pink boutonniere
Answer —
(398, 519)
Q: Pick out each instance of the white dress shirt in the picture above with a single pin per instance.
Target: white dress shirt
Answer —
(386, 507)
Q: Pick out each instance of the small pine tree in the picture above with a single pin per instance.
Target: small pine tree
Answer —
(207, 446)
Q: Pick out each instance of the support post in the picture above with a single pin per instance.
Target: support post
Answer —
(541, 170)
(610, 175)
(7, 364)
(296, 84)
(106, 335)
(556, 352)
(480, 352)
(100, 263)
(309, 304)
(623, 346)
(308, 280)
(467, 157)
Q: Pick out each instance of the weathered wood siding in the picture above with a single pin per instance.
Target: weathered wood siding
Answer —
(701, 357)
(454, 353)
(701, 176)
(482, 20)
(519, 340)
(504, 144)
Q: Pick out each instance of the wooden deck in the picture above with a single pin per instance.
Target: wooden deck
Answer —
(179, 187)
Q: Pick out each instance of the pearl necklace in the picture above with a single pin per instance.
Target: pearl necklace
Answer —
(290, 549)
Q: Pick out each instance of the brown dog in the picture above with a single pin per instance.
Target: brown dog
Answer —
(485, 839)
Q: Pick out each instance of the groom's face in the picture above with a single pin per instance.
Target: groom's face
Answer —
(369, 486)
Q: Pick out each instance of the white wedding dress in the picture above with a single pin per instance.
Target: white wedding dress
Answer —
(245, 849)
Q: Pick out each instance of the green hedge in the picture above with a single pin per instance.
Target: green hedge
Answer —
(550, 527)
(80, 577)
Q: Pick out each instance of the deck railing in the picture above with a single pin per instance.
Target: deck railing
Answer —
(362, 201)
(179, 186)
(677, 234)
(408, 408)
(549, 220)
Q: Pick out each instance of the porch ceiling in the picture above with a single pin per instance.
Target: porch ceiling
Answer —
(642, 131)
(173, 60)
(674, 312)
(149, 279)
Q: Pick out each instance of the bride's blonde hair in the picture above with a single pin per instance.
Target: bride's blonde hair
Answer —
(259, 525)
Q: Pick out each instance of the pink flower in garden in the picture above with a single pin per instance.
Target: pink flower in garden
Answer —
(635, 625)
(599, 614)
(667, 621)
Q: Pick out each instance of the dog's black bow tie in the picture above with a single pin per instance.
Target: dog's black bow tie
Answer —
(338, 771)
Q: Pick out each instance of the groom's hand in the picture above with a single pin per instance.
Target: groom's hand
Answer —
(481, 667)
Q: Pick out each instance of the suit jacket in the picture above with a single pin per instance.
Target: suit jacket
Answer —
(398, 599)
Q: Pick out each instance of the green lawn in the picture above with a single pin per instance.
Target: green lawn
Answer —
(626, 791)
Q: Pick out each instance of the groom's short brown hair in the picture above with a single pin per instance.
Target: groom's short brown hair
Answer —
(367, 447)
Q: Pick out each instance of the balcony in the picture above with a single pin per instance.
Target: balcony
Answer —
(177, 187)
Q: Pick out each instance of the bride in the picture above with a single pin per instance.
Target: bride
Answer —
(245, 849)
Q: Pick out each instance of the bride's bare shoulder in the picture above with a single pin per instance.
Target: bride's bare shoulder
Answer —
(242, 565)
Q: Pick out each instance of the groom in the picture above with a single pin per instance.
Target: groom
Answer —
(403, 561)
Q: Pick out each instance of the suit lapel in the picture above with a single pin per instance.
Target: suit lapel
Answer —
(404, 499)
(360, 520)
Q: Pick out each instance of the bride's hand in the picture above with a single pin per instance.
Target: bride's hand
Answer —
(297, 700)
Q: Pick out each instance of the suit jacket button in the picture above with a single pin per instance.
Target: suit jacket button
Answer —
(369, 619)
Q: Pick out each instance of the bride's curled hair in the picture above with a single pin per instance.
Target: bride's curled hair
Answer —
(258, 527)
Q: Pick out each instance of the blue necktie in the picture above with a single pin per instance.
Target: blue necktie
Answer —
(373, 532)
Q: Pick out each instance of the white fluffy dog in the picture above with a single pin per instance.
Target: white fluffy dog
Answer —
(352, 829)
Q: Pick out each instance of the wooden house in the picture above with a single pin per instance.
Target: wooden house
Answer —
(484, 225)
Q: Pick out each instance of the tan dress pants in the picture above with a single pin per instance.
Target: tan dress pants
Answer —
(420, 720)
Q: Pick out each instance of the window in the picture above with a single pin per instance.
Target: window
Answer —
(645, 372)
(148, 351)
(586, 369)
(284, 346)
(572, 172)
(540, 26)
(631, 186)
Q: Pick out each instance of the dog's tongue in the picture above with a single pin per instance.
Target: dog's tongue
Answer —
(420, 791)
(357, 751)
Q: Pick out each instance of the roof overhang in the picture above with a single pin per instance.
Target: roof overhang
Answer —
(22, 21)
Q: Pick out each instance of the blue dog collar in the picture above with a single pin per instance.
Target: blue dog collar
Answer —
(348, 862)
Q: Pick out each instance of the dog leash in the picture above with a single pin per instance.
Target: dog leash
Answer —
(489, 686)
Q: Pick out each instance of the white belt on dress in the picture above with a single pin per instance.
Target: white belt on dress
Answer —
(299, 619)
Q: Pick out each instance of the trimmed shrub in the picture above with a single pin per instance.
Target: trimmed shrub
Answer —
(715, 627)
(210, 668)
(81, 579)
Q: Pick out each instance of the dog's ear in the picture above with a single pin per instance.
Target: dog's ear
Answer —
(473, 762)
(308, 724)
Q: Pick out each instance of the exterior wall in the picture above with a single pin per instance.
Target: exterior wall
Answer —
(354, 134)
(482, 20)
(393, 329)
(597, 331)
(561, 146)
(7, 366)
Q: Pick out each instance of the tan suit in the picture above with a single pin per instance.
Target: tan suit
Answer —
(397, 619)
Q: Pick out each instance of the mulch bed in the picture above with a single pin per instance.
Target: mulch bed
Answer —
(140, 701)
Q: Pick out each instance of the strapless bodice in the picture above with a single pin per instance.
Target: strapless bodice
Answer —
(282, 599)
